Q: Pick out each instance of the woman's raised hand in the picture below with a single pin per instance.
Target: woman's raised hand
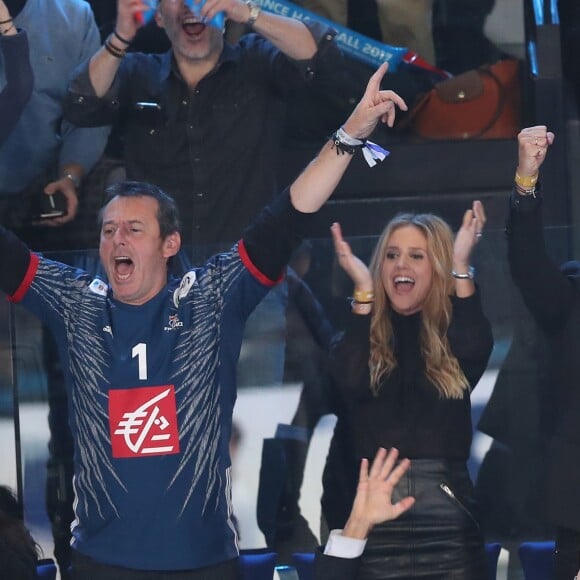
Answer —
(469, 234)
(356, 269)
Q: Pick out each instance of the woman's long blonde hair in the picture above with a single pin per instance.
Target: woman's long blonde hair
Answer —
(441, 367)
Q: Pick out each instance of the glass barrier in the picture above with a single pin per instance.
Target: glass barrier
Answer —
(282, 381)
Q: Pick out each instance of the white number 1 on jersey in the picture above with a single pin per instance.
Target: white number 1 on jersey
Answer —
(140, 351)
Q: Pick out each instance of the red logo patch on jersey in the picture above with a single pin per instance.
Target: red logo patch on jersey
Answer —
(143, 421)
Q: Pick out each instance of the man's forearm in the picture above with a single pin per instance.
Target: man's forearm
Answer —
(82, 146)
(290, 36)
(315, 184)
(103, 68)
(74, 171)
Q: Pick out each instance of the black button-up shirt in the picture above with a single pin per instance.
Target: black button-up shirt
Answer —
(213, 148)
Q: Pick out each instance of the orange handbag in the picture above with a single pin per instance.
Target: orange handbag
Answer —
(483, 103)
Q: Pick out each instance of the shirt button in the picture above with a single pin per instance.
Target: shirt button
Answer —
(80, 99)
(196, 159)
(309, 73)
(328, 37)
(152, 132)
(197, 91)
(184, 102)
(199, 194)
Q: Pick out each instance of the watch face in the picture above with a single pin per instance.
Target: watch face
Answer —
(254, 12)
(75, 180)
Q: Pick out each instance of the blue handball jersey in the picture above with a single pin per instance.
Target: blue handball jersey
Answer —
(151, 393)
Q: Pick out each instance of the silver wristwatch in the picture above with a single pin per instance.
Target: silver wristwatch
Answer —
(254, 12)
(76, 180)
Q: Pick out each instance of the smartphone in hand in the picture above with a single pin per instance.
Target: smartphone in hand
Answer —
(46, 206)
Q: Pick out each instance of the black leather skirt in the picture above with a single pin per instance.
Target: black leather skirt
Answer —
(438, 538)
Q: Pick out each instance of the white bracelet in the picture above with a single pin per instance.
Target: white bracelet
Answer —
(346, 138)
(344, 143)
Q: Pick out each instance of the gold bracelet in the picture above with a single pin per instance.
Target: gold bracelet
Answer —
(526, 181)
(363, 296)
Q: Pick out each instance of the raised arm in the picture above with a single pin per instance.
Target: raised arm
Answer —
(356, 270)
(289, 35)
(105, 63)
(547, 293)
(270, 241)
(317, 182)
(467, 237)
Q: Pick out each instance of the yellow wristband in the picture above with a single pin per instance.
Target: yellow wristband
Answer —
(363, 296)
(526, 181)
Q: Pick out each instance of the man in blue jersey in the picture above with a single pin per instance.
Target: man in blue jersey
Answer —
(149, 363)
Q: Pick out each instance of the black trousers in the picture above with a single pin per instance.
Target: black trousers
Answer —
(85, 568)
(567, 554)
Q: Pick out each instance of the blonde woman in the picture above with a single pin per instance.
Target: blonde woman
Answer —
(416, 346)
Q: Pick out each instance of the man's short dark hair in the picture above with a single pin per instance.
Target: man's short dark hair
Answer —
(167, 214)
